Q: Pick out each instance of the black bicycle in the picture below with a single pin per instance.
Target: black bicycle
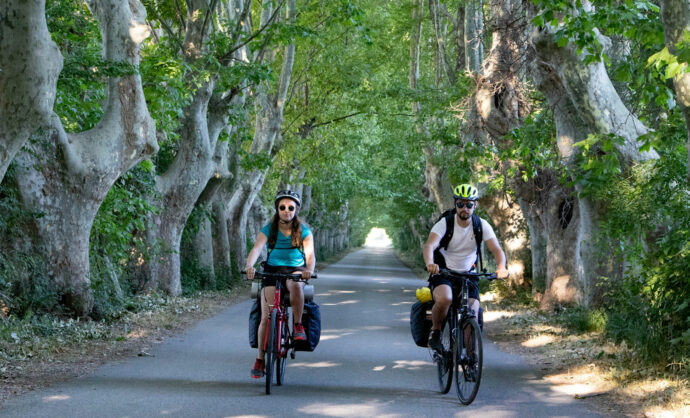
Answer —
(461, 339)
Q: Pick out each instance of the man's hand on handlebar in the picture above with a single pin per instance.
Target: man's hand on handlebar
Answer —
(432, 268)
(306, 275)
(502, 273)
(250, 272)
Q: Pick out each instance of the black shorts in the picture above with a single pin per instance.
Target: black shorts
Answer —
(437, 281)
(271, 281)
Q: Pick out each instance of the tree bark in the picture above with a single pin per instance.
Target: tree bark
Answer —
(675, 17)
(69, 189)
(30, 63)
(473, 31)
(584, 101)
(201, 156)
(269, 119)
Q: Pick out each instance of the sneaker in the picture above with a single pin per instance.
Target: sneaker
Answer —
(298, 333)
(259, 369)
(435, 341)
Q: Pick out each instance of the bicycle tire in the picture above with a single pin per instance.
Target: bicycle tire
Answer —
(444, 364)
(270, 350)
(468, 362)
(283, 350)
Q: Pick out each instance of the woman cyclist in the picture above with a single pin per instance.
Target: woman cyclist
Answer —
(290, 245)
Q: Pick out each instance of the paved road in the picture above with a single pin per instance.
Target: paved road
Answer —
(365, 365)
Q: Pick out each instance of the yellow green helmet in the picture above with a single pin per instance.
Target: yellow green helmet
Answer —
(466, 191)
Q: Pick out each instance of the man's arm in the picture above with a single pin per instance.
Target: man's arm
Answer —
(499, 256)
(428, 252)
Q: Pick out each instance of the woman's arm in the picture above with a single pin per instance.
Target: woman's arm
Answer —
(308, 244)
(254, 254)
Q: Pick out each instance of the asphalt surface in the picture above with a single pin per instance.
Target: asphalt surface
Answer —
(365, 365)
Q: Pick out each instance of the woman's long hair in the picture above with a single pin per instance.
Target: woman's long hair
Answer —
(295, 231)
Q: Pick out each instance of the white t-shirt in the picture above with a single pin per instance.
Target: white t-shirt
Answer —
(462, 248)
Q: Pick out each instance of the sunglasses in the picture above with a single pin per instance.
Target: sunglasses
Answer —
(468, 205)
(290, 208)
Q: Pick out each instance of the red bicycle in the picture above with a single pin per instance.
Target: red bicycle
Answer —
(278, 341)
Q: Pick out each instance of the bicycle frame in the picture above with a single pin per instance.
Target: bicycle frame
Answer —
(277, 338)
(460, 319)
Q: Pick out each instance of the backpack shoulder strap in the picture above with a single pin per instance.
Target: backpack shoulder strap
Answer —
(477, 229)
(449, 216)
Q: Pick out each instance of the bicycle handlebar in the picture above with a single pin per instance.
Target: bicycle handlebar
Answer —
(295, 277)
(468, 274)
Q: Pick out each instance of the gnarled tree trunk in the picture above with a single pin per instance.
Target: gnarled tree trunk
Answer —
(69, 189)
(30, 63)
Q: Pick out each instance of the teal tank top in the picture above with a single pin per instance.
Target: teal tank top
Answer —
(283, 254)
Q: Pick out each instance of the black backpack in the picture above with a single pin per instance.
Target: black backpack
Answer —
(449, 216)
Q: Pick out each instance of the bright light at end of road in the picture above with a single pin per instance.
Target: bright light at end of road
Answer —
(378, 238)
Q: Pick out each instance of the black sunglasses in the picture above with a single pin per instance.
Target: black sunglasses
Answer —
(290, 208)
(468, 205)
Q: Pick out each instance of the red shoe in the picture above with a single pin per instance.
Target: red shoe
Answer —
(259, 369)
(298, 333)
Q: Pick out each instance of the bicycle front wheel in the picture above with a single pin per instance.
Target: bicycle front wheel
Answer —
(270, 349)
(468, 360)
(444, 361)
(281, 359)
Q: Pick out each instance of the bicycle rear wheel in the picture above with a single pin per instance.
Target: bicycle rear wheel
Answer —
(468, 360)
(271, 349)
(444, 361)
(281, 359)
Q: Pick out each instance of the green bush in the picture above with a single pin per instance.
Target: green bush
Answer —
(581, 319)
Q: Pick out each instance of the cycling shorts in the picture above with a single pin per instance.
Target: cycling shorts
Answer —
(437, 281)
(271, 281)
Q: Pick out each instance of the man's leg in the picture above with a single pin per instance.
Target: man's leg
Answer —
(443, 297)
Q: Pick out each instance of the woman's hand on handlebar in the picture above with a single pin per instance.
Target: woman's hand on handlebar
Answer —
(502, 273)
(250, 271)
(306, 274)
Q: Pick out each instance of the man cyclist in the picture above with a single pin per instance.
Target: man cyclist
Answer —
(459, 255)
(290, 245)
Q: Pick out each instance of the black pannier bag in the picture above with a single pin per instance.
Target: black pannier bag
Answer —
(311, 320)
(420, 322)
(254, 320)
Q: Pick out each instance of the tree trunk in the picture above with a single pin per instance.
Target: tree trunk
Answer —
(30, 63)
(200, 157)
(675, 17)
(584, 101)
(269, 120)
(473, 31)
(68, 190)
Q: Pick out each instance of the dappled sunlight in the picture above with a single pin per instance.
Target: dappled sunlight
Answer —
(402, 303)
(247, 416)
(539, 341)
(490, 316)
(378, 238)
(345, 302)
(378, 368)
(56, 398)
(334, 337)
(383, 290)
(368, 409)
(316, 365)
(343, 291)
(374, 328)
(580, 382)
(411, 364)
(384, 281)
